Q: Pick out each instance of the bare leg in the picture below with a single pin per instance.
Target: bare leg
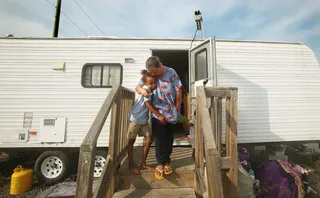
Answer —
(143, 164)
(132, 166)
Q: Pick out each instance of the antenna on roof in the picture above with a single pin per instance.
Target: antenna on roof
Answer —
(199, 21)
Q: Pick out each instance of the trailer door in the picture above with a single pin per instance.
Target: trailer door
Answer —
(201, 67)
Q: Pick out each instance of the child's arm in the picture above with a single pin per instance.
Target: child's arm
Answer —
(153, 110)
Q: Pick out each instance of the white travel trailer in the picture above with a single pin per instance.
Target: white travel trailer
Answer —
(51, 89)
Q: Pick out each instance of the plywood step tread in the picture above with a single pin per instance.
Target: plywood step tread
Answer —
(182, 177)
(180, 158)
(157, 193)
(148, 181)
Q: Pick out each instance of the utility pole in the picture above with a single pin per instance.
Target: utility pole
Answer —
(57, 19)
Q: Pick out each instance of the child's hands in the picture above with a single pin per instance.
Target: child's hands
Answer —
(162, 119)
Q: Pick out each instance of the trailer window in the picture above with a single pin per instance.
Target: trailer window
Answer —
(96, 75)
(201, 64)
(101, 75)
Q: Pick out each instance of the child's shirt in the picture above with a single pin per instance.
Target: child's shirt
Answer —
(139, 111)
(164, 96)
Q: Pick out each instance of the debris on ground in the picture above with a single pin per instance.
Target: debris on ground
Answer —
(307, 158)
(6, 170)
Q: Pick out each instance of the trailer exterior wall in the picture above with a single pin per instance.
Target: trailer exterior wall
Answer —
(29, 84)
(278, 85)
(279, 89)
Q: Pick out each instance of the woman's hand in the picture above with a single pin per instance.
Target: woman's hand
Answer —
(144, 92)
(162, 119)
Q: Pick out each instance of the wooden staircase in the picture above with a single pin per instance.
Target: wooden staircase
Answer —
(213, 174)
(179, 184)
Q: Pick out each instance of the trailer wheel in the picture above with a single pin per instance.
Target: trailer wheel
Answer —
(52, 167)
(99, 162)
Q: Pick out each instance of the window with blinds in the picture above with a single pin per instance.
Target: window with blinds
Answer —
(100, 75)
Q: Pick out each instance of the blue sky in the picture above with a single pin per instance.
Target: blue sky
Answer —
(277, 20)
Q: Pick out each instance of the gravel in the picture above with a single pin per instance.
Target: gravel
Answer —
(6, 170)
(33, 193)
(36, 190)
(307, 159)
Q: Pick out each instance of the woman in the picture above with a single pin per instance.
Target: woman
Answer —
(166, 99)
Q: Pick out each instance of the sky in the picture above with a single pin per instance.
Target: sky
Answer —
(273, 20)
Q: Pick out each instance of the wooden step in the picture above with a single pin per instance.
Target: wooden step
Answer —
(156, 193)
(182, 177)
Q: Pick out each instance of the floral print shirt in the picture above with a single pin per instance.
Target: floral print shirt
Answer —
(164, 96)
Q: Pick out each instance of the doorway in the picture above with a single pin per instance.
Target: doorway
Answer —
(179, 61)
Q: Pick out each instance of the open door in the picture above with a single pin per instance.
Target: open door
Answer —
(201, 68)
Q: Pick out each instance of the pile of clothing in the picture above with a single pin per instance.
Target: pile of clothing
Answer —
(273, 178)
(248, 185)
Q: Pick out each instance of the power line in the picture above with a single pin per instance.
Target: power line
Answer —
(74, 24)
(89, 17)
(69, 19)
(194, 37)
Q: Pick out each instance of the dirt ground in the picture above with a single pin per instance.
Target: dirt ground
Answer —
(298, 154)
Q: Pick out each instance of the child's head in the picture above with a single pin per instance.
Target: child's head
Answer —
(148, 79)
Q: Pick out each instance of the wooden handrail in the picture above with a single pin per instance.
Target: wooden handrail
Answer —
(121, 100)
(216, 175)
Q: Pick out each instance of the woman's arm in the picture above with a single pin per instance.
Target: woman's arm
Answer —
(179, 98)
(178, 86)
(142, 91)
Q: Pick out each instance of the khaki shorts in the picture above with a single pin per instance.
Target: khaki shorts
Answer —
(138, 129)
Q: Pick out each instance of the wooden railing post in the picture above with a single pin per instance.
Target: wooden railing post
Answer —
(219, 125)
(198, 154)
(233, 172)
(226, 177)
(85, 172)
(113, 139)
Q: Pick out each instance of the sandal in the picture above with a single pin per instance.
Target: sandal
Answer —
(167, 169)
(158, 173)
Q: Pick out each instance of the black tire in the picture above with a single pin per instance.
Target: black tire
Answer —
(102, 154)
(62, 170)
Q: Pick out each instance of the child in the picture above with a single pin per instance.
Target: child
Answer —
(139, 122)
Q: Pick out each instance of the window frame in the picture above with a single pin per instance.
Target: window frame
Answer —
(196, 65)
(85, 66)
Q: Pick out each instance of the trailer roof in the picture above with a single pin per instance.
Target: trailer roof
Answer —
(150, 39)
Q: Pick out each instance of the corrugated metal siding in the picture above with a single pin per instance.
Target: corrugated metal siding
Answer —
(279, 90)
(29, 84)
(278, 85)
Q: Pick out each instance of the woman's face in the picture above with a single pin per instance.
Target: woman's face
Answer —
(155, 71)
